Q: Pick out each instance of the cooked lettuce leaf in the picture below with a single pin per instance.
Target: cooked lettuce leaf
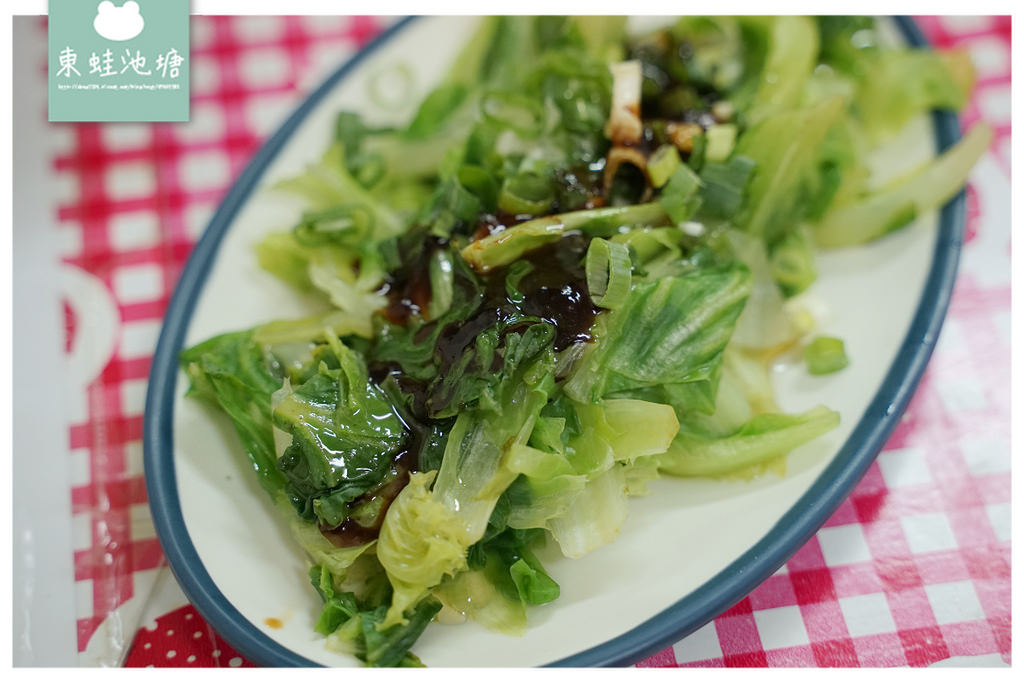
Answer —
(785, 147)
(504, 578)
(669, 331)
(601, 437)
(337, 561)
(595, 516)
(482, 594)
(906, 198)
(349, 277)
(357, 628)
(421, 542)
(763, 438)
(239, 375)
(345, 436)
(328, 184)
(898, 84)
(792, 55)
(545, 490)
(605, 443)
(426, 537)
(472, 475)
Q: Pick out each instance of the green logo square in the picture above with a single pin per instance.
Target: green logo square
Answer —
(118, 60)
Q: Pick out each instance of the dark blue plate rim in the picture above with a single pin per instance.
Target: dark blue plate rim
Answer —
(676, 621)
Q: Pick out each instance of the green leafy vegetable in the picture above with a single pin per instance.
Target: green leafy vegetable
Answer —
(420, 543)
(764, 438)
(569, 273)
(344, 436)
(792, 51)
(898, 84)
(897, 205)
(239, 376)
(669, 331)
(785, 148)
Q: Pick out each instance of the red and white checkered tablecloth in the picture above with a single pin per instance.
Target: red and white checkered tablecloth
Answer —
(913, 569)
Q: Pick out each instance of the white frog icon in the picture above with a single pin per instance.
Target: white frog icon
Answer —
(118, 23)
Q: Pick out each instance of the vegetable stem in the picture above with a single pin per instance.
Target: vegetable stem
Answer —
(502, 248)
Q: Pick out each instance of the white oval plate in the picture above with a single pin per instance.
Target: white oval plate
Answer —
(688, 551)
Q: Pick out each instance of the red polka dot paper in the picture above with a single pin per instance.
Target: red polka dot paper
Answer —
(913, 569)
(180, 639)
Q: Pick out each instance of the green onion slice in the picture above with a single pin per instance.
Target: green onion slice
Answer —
(792, 264)
(609, 273)
(662, 164)
(526, 193)
(347, 223)
(721, 140)
(825, 355)
(442, 285)
(522, 114)
(391, 87)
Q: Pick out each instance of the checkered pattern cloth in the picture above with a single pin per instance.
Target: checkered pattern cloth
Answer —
(914, 567)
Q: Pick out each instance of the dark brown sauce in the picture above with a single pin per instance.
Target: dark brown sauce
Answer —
(457, 337)
(408, 290)
(554, 291)
(350, 533)
(581, 187)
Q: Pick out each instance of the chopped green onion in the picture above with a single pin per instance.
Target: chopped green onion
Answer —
(721, 140)
(792, 263)
(480, 182)
(698, 153)
(825, 355)
(396, 79)
(521, 114)
(371, 170)
(725, 186)
(436, 110)
(441, 283)
(526, 193)
(609, 273)
(662, 164)
(346, 224)
(680, 196)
